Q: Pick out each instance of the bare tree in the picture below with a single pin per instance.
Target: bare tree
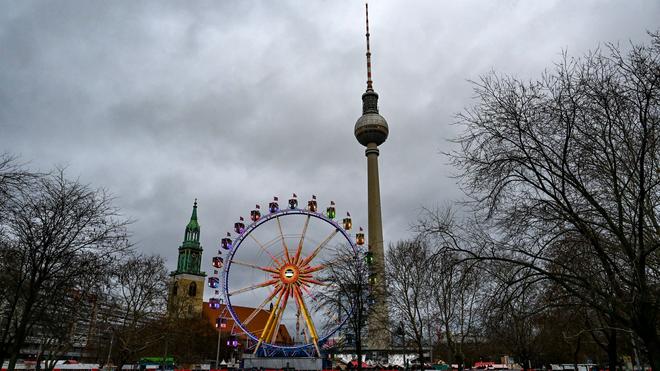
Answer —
(458, 283)
(348, 295)
(575, 154)
(409, 283)
(457, 295)
(13, 178)
(138, 296)
(512, 318)
(57, 233)
(66, 326)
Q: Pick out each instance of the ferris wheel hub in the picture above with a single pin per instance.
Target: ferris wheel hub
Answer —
(289, 273)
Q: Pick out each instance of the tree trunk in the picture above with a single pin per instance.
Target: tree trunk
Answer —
(358, 352)
(458, 357)
(645, 325)
(612, 351)
(4, 342)
(450, 347)
(19, 338)
(576, 353)
(24, 322)
(654, 355)
(652, 344)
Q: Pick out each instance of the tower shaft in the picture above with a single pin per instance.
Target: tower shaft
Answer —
(379, 336)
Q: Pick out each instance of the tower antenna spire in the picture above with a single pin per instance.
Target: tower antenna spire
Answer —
(369, 82)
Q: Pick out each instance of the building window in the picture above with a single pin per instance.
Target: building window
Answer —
(192, 289)
(175, 288)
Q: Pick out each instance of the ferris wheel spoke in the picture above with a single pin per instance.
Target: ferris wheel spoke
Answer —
(308, 319)
(305, 287)
(296, 259)
(262, 305)
(267, 331)
(313, 281)
(254, 287)
(265, 269)
(286, 249)
(276, 325)
(270, 319)
(319, 248)
(319, 267)
(261, 246)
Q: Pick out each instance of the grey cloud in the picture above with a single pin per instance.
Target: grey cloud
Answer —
(234, 102)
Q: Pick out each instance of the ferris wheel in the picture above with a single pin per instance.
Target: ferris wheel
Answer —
(273, 276)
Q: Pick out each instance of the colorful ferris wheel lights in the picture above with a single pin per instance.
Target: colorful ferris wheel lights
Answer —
(369, 257)
(214, 282)
(312, 205)
(274, 205)
(217, 262)
(330, 211)
(255, 214)
(214, 303)
(293, 202)
(359, 238)
(226, 242)
(232, 341)
(347, 222)
(239, 227)
(221, 322)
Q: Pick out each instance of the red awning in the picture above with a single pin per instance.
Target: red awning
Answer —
(364, 365)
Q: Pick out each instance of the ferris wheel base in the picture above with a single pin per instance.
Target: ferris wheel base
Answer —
(279, 363)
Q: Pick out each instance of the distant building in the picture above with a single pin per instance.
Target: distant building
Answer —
(187, 288)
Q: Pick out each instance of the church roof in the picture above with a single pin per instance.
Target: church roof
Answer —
(255, 325)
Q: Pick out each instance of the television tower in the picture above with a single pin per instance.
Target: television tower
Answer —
(371, 130)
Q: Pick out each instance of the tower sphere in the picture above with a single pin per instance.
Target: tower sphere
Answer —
(371, 127)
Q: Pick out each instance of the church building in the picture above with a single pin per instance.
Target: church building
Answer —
(187, 287)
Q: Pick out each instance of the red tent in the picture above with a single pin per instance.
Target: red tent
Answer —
(354, 364)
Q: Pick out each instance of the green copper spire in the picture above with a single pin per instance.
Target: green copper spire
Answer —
(190, 251)
(192, 229)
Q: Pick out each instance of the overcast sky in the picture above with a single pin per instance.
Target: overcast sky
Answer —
(233, 102)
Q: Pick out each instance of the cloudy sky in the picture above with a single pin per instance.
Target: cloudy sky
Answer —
(233, 102)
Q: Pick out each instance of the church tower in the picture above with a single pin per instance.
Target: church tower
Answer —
(187, 288)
